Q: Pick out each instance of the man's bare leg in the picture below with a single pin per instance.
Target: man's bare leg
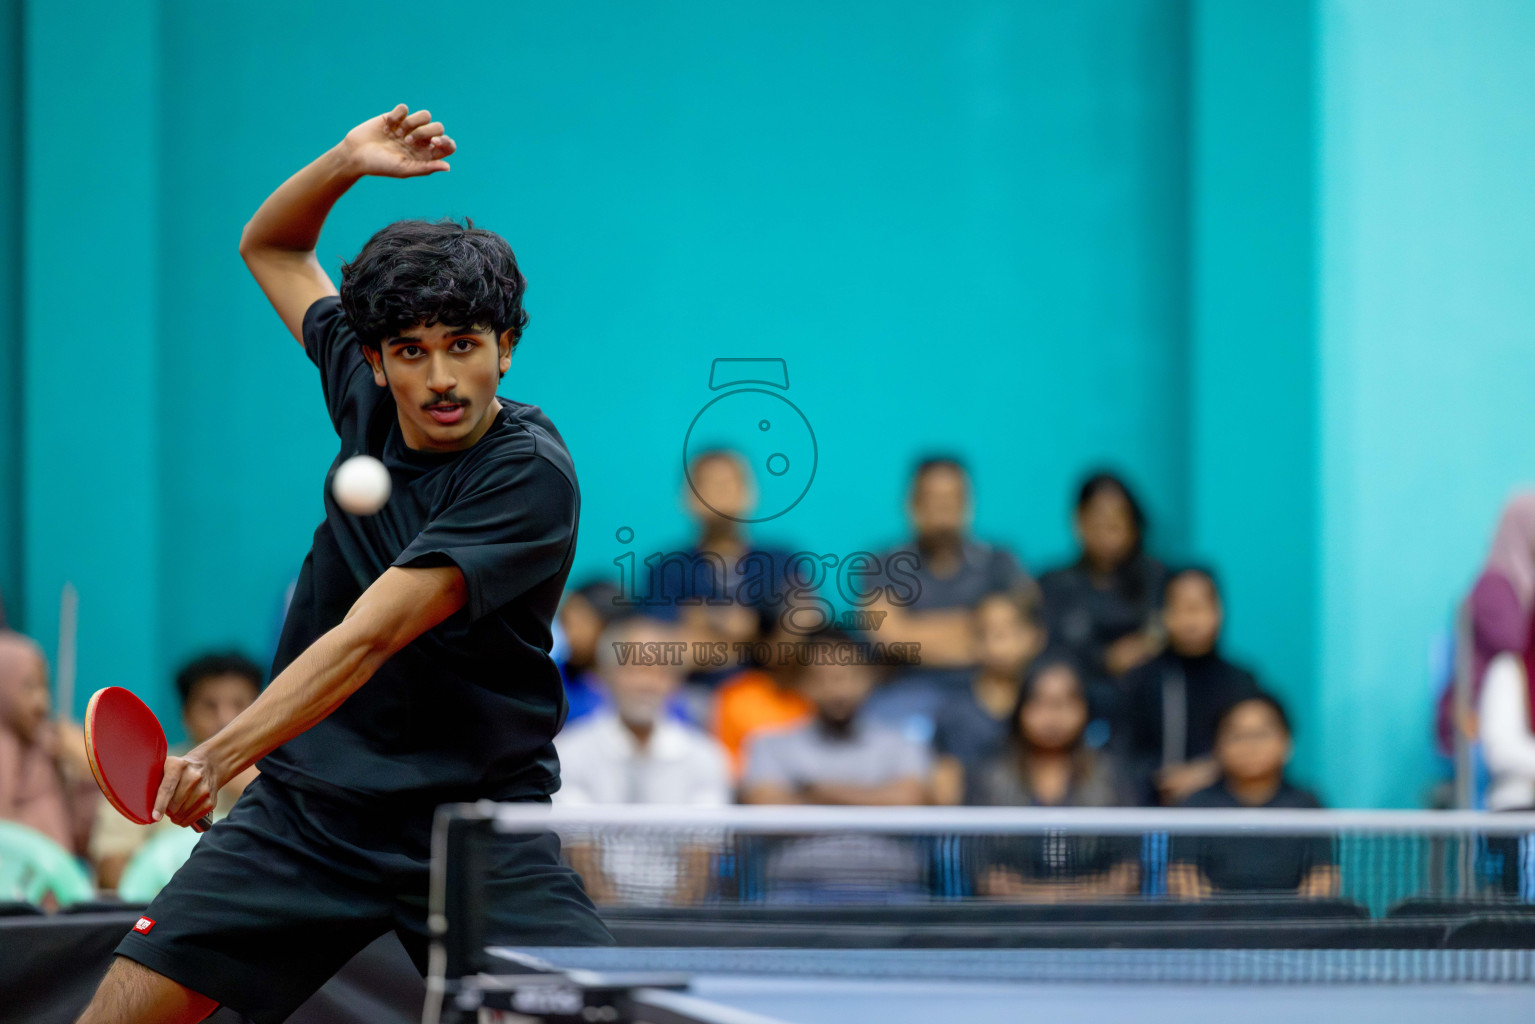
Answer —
(133, 994)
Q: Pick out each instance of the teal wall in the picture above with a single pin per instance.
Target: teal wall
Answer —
(1192, 240)
(1252, 367)
(92, 327)
(11, 598)
(1425, 338)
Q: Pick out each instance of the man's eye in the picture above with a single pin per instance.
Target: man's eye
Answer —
(464, 344)
(410, 351)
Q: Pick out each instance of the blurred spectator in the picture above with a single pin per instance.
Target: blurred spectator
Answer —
(972, 726)
(838, 757)
(1501, 603)
(1506, 710)
(630, 751)
(758, 699)
(930, 587)
(214, 688)
(1172, 702)
(1044, 762)
(1506, 713)
(1102, 608)
(1252, 749)
(586, 612)
(45, 776)
(722, 588)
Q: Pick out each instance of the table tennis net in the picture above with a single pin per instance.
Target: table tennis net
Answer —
(810, 878)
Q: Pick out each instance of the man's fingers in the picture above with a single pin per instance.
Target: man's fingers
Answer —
(191, 794)
(167, 787)
(425, 132)
(195, 806)
(199, 813)
(415, 121)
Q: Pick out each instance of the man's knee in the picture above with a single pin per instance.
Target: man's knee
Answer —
(133, 994)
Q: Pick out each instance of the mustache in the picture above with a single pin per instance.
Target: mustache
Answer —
(451, 398)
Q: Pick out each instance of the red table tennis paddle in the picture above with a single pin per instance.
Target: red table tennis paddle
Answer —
(126, 747)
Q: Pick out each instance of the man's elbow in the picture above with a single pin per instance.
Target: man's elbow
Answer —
(252, 246)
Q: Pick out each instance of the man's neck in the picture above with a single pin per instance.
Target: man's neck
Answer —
(1100, 571)
(943, 553)
(640, 732)
(723, 538)
(1255, 792)
(995, 692)
(836, 728)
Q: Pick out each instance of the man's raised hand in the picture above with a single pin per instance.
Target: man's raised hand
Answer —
(399, 144)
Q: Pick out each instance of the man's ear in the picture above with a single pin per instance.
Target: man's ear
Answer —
(505, 345)
(375, 358)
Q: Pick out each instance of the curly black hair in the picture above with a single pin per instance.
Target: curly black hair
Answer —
(421, 272)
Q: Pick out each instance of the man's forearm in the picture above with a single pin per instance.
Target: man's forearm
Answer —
(399, 606)
(312, 686)
(292, 216)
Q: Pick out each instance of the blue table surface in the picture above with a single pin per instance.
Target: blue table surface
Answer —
(908, 986)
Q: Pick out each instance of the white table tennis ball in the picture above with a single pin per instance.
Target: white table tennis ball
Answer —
(361, 485)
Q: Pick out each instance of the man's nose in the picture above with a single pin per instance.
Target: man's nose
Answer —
(439, 373)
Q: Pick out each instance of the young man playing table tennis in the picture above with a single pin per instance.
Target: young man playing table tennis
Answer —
(413, 667)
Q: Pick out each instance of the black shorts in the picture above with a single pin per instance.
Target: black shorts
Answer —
(280, 894)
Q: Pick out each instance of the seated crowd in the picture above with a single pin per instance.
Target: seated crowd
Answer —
(1101, 685)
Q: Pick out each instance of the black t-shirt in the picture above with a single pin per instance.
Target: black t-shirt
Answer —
(908, 579)
(1084, 619)
(470, 708)
(1258, 862)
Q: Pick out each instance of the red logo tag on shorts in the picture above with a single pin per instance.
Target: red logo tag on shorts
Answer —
(143, 926)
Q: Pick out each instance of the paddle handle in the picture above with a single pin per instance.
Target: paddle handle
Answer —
(203, 824)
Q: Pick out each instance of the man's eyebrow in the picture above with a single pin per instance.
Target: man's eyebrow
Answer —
(406, 339)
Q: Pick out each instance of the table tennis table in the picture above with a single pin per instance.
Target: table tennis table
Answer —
(690, 985)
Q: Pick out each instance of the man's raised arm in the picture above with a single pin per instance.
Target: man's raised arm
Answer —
(278, 243)
(399, 606)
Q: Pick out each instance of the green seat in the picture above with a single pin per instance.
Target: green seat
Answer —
(155, 862)
(32, 866)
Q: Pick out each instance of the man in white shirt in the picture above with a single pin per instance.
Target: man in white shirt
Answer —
(633, 752)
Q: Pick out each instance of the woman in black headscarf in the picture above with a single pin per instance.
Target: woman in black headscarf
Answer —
(1103, 608)
(1174, 701)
